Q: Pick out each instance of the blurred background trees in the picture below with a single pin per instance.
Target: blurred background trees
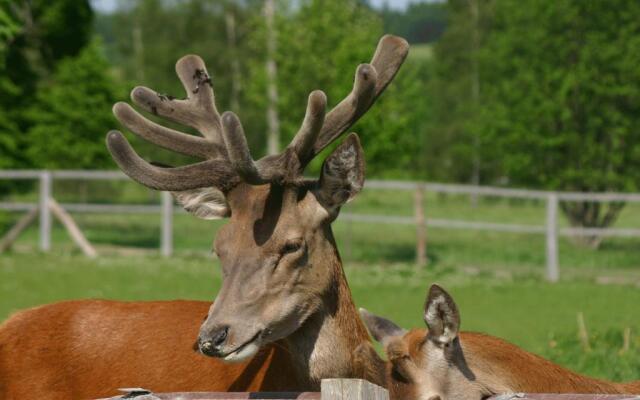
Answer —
(502, 92)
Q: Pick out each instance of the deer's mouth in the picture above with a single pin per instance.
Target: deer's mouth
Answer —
(246, 350)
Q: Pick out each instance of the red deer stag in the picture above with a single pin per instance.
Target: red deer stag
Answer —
(284, 313)
(440, 363)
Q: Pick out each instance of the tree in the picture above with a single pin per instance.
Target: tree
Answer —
(72, 113)
(9, 28)
(34, 36)
(561, 105)
(456, 150)
(420, 22)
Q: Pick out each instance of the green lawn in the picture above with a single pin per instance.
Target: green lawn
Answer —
(524, 310)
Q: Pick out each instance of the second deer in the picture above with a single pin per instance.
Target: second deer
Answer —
(442, 363)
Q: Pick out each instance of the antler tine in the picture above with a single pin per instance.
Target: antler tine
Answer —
(370, 82)
(273, 168)
(197, 110)
(238, 151)
(162, 136)
(207, 173)
(304, 140)
(193, 74)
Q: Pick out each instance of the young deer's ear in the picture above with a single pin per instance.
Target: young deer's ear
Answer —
(441, 316)
(205, 203)
(380, 328)
(342, 174)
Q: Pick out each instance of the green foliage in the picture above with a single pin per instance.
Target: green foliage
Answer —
(421, 22)
(72, 113)
(9, 27)
(562, 94)
(453, 136)
(34, 36)
(605, 358)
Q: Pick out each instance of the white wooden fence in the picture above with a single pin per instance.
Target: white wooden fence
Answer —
(166, 209)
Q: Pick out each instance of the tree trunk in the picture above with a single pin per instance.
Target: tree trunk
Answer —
(475, 92)
(273, 124)
(591, 214)
(230, 22)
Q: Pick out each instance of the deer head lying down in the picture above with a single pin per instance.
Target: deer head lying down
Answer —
(441, 363)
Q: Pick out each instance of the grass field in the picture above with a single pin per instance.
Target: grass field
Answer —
(527, 311)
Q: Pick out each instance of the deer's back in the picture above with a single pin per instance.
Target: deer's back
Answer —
(86, 349)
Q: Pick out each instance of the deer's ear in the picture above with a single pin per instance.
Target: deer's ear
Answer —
(441, 316)
(382, 329)
(342, 174)
(205, 203)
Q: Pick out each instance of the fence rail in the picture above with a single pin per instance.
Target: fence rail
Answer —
(346, 389)
(166, 209)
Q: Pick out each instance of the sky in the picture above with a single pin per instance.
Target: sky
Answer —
(110, 5)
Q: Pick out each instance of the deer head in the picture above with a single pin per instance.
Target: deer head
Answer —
(427, 364)
(277, 249)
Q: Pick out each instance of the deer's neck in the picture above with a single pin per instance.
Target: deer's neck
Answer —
(324, 345)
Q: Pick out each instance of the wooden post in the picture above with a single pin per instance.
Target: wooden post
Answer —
(553, 274)
(45, 215)
(76, 234)
(15, 231)
(351, 389)
(421, 234)
(166, 239)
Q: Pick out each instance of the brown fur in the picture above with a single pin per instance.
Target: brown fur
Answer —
(88, 349)
(523, 371)
(498, 365)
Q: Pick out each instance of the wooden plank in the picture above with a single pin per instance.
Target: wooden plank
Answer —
(15, 231)
(421, 234)
(18, 206)
(45, 215)
(553, 273)
(166, 236)
(563, 396)
(76, 234)
(225, 395)
(351, 389)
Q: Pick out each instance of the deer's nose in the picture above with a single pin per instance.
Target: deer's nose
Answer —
(220, 336)
(212, 344)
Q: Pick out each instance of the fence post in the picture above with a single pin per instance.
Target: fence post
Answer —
(553, 274)
(166, 239)
(45, 213)
(421, 234)
(351, 389)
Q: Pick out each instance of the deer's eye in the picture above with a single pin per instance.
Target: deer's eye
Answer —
(291, 246)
